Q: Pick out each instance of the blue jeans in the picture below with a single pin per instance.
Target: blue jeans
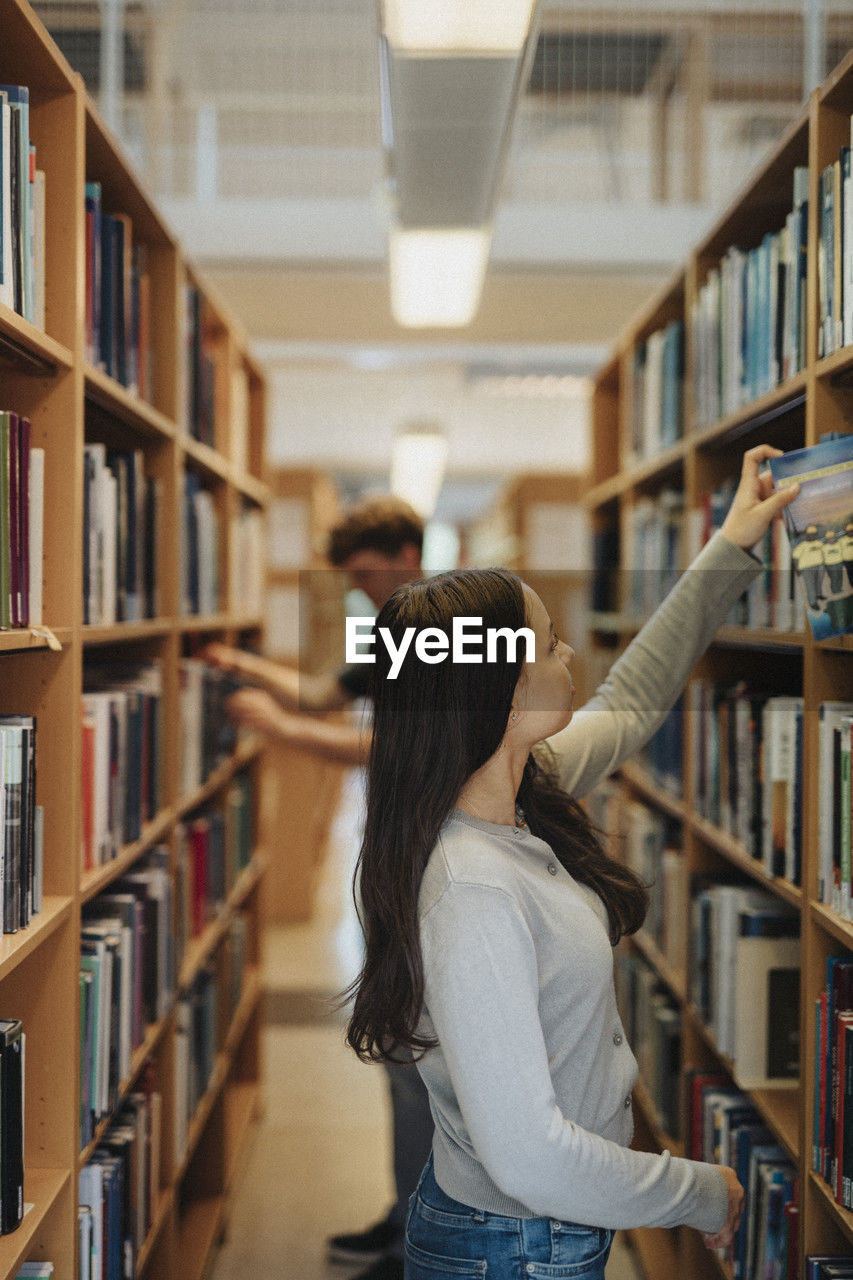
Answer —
(446, 1240)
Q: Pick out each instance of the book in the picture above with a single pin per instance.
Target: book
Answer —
(12, 1054)
(820, 528)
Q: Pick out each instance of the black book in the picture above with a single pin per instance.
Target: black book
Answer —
(11, 1124)
(17, 210)
(14, 755)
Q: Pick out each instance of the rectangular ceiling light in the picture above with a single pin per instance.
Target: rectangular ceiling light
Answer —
(456, 26)
(437, 274)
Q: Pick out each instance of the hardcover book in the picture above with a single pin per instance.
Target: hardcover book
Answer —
(820, 528)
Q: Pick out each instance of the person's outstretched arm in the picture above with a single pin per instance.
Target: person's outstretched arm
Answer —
(292, 689)
(338, 743)
(643, 684)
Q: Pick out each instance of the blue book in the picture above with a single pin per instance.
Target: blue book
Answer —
(820, 529)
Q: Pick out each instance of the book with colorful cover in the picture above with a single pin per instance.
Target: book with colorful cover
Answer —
(820, 529)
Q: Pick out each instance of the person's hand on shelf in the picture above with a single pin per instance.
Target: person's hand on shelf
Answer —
(756, 502)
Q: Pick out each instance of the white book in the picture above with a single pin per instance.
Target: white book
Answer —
(38, 859)
(39, 248)
(110, 547)
(85, 1219)
(36, 535)
(183, 1023)
(7, 290)
(756, 958)
(191, 677)
(830, 716)
(779, 736)
(96, 707)
(91, 1193)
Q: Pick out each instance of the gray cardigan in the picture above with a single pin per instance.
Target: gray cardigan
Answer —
(530, 1083)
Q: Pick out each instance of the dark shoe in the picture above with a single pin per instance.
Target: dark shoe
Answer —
(365, 1246)
(388, 1267)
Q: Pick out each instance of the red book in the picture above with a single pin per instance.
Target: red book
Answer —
(24, 539)
(792, 1219)
(88, 778)
(15, 517)
(819, 1155)
(199, 841)
(699, 1082)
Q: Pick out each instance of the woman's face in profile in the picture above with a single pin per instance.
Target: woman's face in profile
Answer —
(545, 690)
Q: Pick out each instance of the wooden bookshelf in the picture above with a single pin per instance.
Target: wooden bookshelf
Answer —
(71, 403)
(817, 399)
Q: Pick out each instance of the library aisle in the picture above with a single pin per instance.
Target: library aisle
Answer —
(319, 1160)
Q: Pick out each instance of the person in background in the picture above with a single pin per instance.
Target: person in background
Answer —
(378, 543)
(490, 911)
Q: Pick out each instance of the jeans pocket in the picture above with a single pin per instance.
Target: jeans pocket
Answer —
(420, 1264)
(578, 1252)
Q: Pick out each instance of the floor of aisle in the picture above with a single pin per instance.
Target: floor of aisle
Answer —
(319, 1160)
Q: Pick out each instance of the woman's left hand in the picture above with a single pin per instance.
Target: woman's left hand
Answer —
(756, 502)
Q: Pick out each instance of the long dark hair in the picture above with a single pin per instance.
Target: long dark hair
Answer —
(434, 726)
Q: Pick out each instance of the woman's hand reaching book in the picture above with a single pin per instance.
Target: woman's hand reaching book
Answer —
(756, 502)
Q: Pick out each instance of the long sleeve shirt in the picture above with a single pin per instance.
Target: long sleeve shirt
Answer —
(531, 1079)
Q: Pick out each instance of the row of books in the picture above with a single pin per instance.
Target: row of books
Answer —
(663, 754)
(35, 1271)
(658, 392)
(21, 824)
(748, 321)
(22, 209)
(651, 849)
(652, 1022)
(835, 255)
(248, 562)
(208, 736)
(213, 848)
(127, 968)
(745, 965)
(829, 1266)
(21, 523)
(725, 1129)
(200, 370)
(654, 542)
(118, 1188)
(748, 753)
(775, 598)
(122, 519)
(832, 1137)
(118, 297)
(122, 758)
(200, 549)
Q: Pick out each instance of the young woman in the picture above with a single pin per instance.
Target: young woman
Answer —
(490, 912)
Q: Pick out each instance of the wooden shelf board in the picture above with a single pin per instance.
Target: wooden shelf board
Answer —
(30, 345)
(15, 947)
(203, 456)
(831, 922)
(42, 1188)
(161, 1217)
(842, 1217)
(98, 878)
(753, 416)
(643, 1098)
(245, 754)
(676, 981)
(737, 854)
(242, 1108)
(108, 163)
(836, 643)
(636, 776)
(759, 638)
(604, 492)
(123, 632)
(199, 1227)
(249, 997)
(840, 362)
(125, 404)
(154, 1033)
(780, 1109)
(21, 638)
(251, 487)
